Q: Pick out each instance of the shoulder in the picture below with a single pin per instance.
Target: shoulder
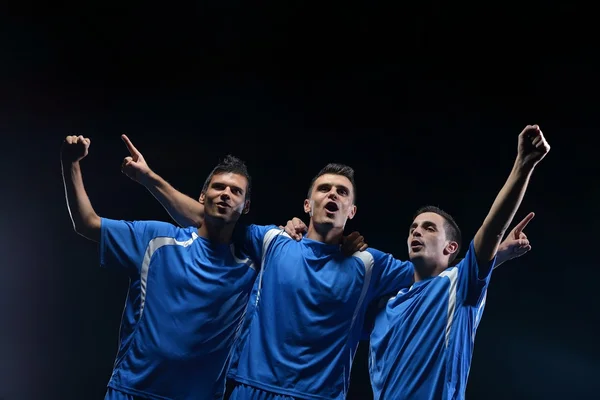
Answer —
(380, 259)
(266, 232)
(377, 256)
(367, 257)
(260, 228)
(371, 257)
(160, 229)
(140, 226)
(470, 258)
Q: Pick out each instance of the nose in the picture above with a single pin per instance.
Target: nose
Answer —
(226, 193)
(416, 232)
(332, 194)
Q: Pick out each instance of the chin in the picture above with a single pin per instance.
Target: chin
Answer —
(325, 220)
(336, 224)
(415, 256)
(219, 217)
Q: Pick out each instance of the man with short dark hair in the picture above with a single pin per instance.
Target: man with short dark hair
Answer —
(188, 291)
(308, 305)
(422, 342)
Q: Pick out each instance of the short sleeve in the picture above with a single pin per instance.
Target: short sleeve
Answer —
(254, 239)
(123, 244)
(389, 275)
(471, 287)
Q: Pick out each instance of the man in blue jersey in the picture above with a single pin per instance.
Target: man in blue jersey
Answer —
(189, 288)
(308, 304)
(307, 309)
(422, 342)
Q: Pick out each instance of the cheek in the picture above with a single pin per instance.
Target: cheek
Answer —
(240, 206)
(317, 202)
(318, 197)
(209, 198)
(346, 206)
(212, 195)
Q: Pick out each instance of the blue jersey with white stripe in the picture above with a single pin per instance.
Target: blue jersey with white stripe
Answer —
(422, 342)
(307, 312)
(186, 300)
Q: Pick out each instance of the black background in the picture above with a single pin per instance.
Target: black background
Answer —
(424, 100)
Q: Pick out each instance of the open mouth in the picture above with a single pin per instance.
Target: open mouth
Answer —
(415, 244)
(223, 204)
(331, 207)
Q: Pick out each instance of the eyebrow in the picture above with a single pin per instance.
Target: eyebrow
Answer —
(232, 186)
(424, 223)
(339, 185)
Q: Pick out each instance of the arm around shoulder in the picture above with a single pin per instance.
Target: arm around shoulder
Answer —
(183, 209)
(390, 273)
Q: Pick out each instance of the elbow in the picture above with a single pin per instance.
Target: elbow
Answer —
(88, 227)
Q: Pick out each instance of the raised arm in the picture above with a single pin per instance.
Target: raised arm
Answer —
(183, 209)
(532, 149)
(85, 220)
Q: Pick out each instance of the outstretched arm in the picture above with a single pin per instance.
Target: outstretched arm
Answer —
(85, 220)
(183, 209)
(532, 149)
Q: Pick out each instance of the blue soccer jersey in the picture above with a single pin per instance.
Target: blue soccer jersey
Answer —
(186, 300)
(306, 313)
(422, 342)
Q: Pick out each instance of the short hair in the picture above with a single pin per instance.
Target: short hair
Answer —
(450, 226)
(230, 164)
(335, 169)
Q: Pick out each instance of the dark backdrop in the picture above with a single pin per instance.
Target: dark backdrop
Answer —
(424, 101)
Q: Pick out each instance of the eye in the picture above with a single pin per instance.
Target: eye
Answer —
(431, 229)
(343, 192)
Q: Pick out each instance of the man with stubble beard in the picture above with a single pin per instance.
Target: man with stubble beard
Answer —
(422, 343)
(188, 291)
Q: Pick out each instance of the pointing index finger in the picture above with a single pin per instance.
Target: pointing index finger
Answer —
(130, 146)
(521, 225)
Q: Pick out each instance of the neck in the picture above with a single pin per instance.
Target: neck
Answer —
(216, 231)
(324, 233)
(426, 270)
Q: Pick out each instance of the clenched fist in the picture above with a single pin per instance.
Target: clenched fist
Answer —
(75, 148)
(533, 147)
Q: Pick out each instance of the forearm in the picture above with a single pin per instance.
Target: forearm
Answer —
(183, 209)
(85, 220)
(503, 210)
